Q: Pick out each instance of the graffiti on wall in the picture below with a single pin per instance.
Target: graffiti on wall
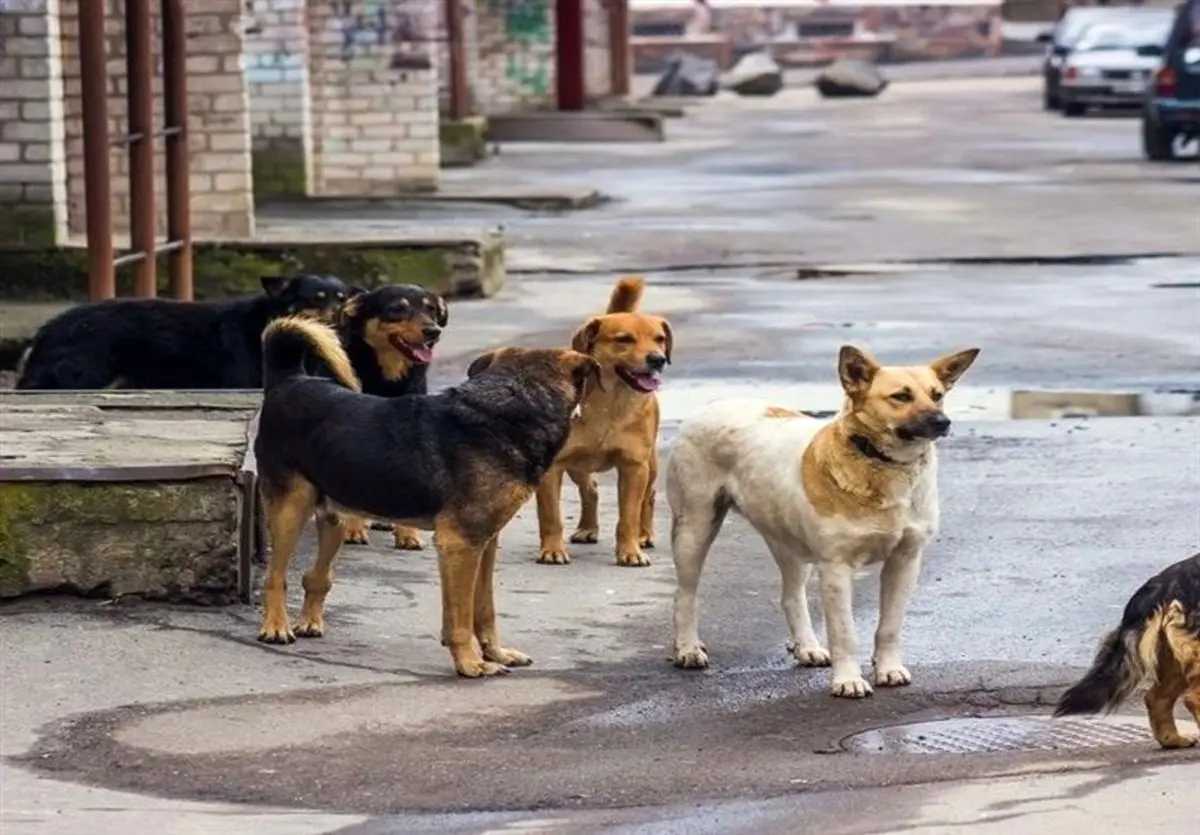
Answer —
(271, 27)
(403, 26)
(529, 43)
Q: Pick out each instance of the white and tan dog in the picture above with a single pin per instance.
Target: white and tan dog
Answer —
(858, 489)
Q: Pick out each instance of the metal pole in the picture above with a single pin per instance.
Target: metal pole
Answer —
(139, 63)
(618, 45)
(179, 224)
(459, 104)
(92, 59)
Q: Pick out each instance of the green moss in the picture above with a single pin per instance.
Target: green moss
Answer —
(27, 225)
(279, 173)
(16, 505)
(463, 142)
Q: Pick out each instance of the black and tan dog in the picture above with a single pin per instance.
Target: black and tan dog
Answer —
(618, 429)
(168, 344)
(459, 463)
(1158, 640)
(390, 334)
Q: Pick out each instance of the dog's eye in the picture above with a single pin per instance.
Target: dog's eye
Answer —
(903, 396)
(660, 339)
(937, 396)
(341, 297)
(625, 338)
(321, 295)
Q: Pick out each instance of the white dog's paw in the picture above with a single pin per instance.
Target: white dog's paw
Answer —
(893, 675)
(691, 656)
(851, 688)
(815, 656)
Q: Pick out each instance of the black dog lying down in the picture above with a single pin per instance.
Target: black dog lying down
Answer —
(460, 463)
(167, 344)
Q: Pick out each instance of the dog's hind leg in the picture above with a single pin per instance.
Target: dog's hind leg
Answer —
(837, 593)
(287, 510)
(485, 614)
(646, 537)
(694, 527)
(459, 562)
(802, 638)
(588, 529)
(318, 580)
(897, 581)
(1160, 703)
(553, 551)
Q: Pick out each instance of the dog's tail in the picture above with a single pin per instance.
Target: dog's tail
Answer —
(626, 295)
(289, 341)
(1127, 656)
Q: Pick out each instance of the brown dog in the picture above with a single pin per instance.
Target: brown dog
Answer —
(1159, 640)
(618, 428)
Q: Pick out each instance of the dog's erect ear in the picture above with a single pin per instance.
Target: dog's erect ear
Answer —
(670, 339)
(273, 284)
(348, 312)
(856, 369)
(443, 312)
(584, 340)
(952, 366)
(480, 364)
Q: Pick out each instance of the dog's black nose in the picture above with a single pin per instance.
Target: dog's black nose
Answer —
(939, 423)
(656, 362)
(431, 334)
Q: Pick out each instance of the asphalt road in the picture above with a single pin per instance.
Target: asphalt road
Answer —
(138, 718)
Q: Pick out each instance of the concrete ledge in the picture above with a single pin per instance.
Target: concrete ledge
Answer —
(463, 143)
(588, 126)
(137, 502)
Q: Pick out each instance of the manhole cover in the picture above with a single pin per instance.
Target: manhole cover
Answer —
(994, 735)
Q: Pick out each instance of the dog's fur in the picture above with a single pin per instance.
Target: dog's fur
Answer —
(858, 489)
(618, 429)
(459, 463)
(168, 344)
(1158, 640)
(390, 334)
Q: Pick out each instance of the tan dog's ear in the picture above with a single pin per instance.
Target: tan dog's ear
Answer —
(856, 369)
(480, 363)
(584, 340)
(348, 310)
(670, 339)
(952, 366)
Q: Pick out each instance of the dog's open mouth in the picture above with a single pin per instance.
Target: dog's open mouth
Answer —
(643, 381)
(420, 354)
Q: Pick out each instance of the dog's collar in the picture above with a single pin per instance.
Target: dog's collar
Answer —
(863, 444)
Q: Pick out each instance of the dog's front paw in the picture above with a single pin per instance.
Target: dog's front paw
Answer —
(1179, 741)
(507, 657)
(355, 532)
(646, 541)
(478, 668)
(585, 536)
(276, 631)
(814, 656)
(632, 558)
(892, 675)
(691, 656)
(310, 627)
(554, 553)
(854, 687)
(407, 539)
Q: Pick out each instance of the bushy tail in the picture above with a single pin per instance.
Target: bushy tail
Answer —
(626, 295)
(289, 341)
(1127, 656)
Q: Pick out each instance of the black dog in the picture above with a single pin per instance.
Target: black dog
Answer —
(167, 344)
(390, 334)
(461, 463)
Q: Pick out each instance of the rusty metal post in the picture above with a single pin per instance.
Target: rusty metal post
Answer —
(618, 47)
(179, 225)
(139, 63)
(97, 196)
(460, 106)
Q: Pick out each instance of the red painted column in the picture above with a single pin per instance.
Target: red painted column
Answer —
(569, 54)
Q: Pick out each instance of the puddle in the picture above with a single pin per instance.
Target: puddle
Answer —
(680, 399)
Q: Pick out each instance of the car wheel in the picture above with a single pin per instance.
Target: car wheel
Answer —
(1073, 108)
(1158, 141)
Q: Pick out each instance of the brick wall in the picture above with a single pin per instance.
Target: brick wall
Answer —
(373, 81)
(32, 167)
(277, 78)
(515, 64)
(222, 201)
(597, 80)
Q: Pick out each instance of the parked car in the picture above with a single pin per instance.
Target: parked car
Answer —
(1110, 63)
(1171, 104)
(1062, 37)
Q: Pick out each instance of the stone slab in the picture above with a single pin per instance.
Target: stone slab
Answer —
(589, 126)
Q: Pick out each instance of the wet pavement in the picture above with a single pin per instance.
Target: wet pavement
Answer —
(147, 719)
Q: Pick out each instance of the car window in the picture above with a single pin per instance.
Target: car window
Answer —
(1128, 35)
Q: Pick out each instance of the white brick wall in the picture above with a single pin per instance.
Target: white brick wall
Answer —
(222, 202)
(33, 173)
(515, 63)
(373, 81)
(597, 80)
(277, 77)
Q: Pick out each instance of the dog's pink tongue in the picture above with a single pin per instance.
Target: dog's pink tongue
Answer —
(648, 382)
(424, 354)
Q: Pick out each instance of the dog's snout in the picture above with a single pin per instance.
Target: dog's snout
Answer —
(656, 361)
(432, 333)
(938, 423)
